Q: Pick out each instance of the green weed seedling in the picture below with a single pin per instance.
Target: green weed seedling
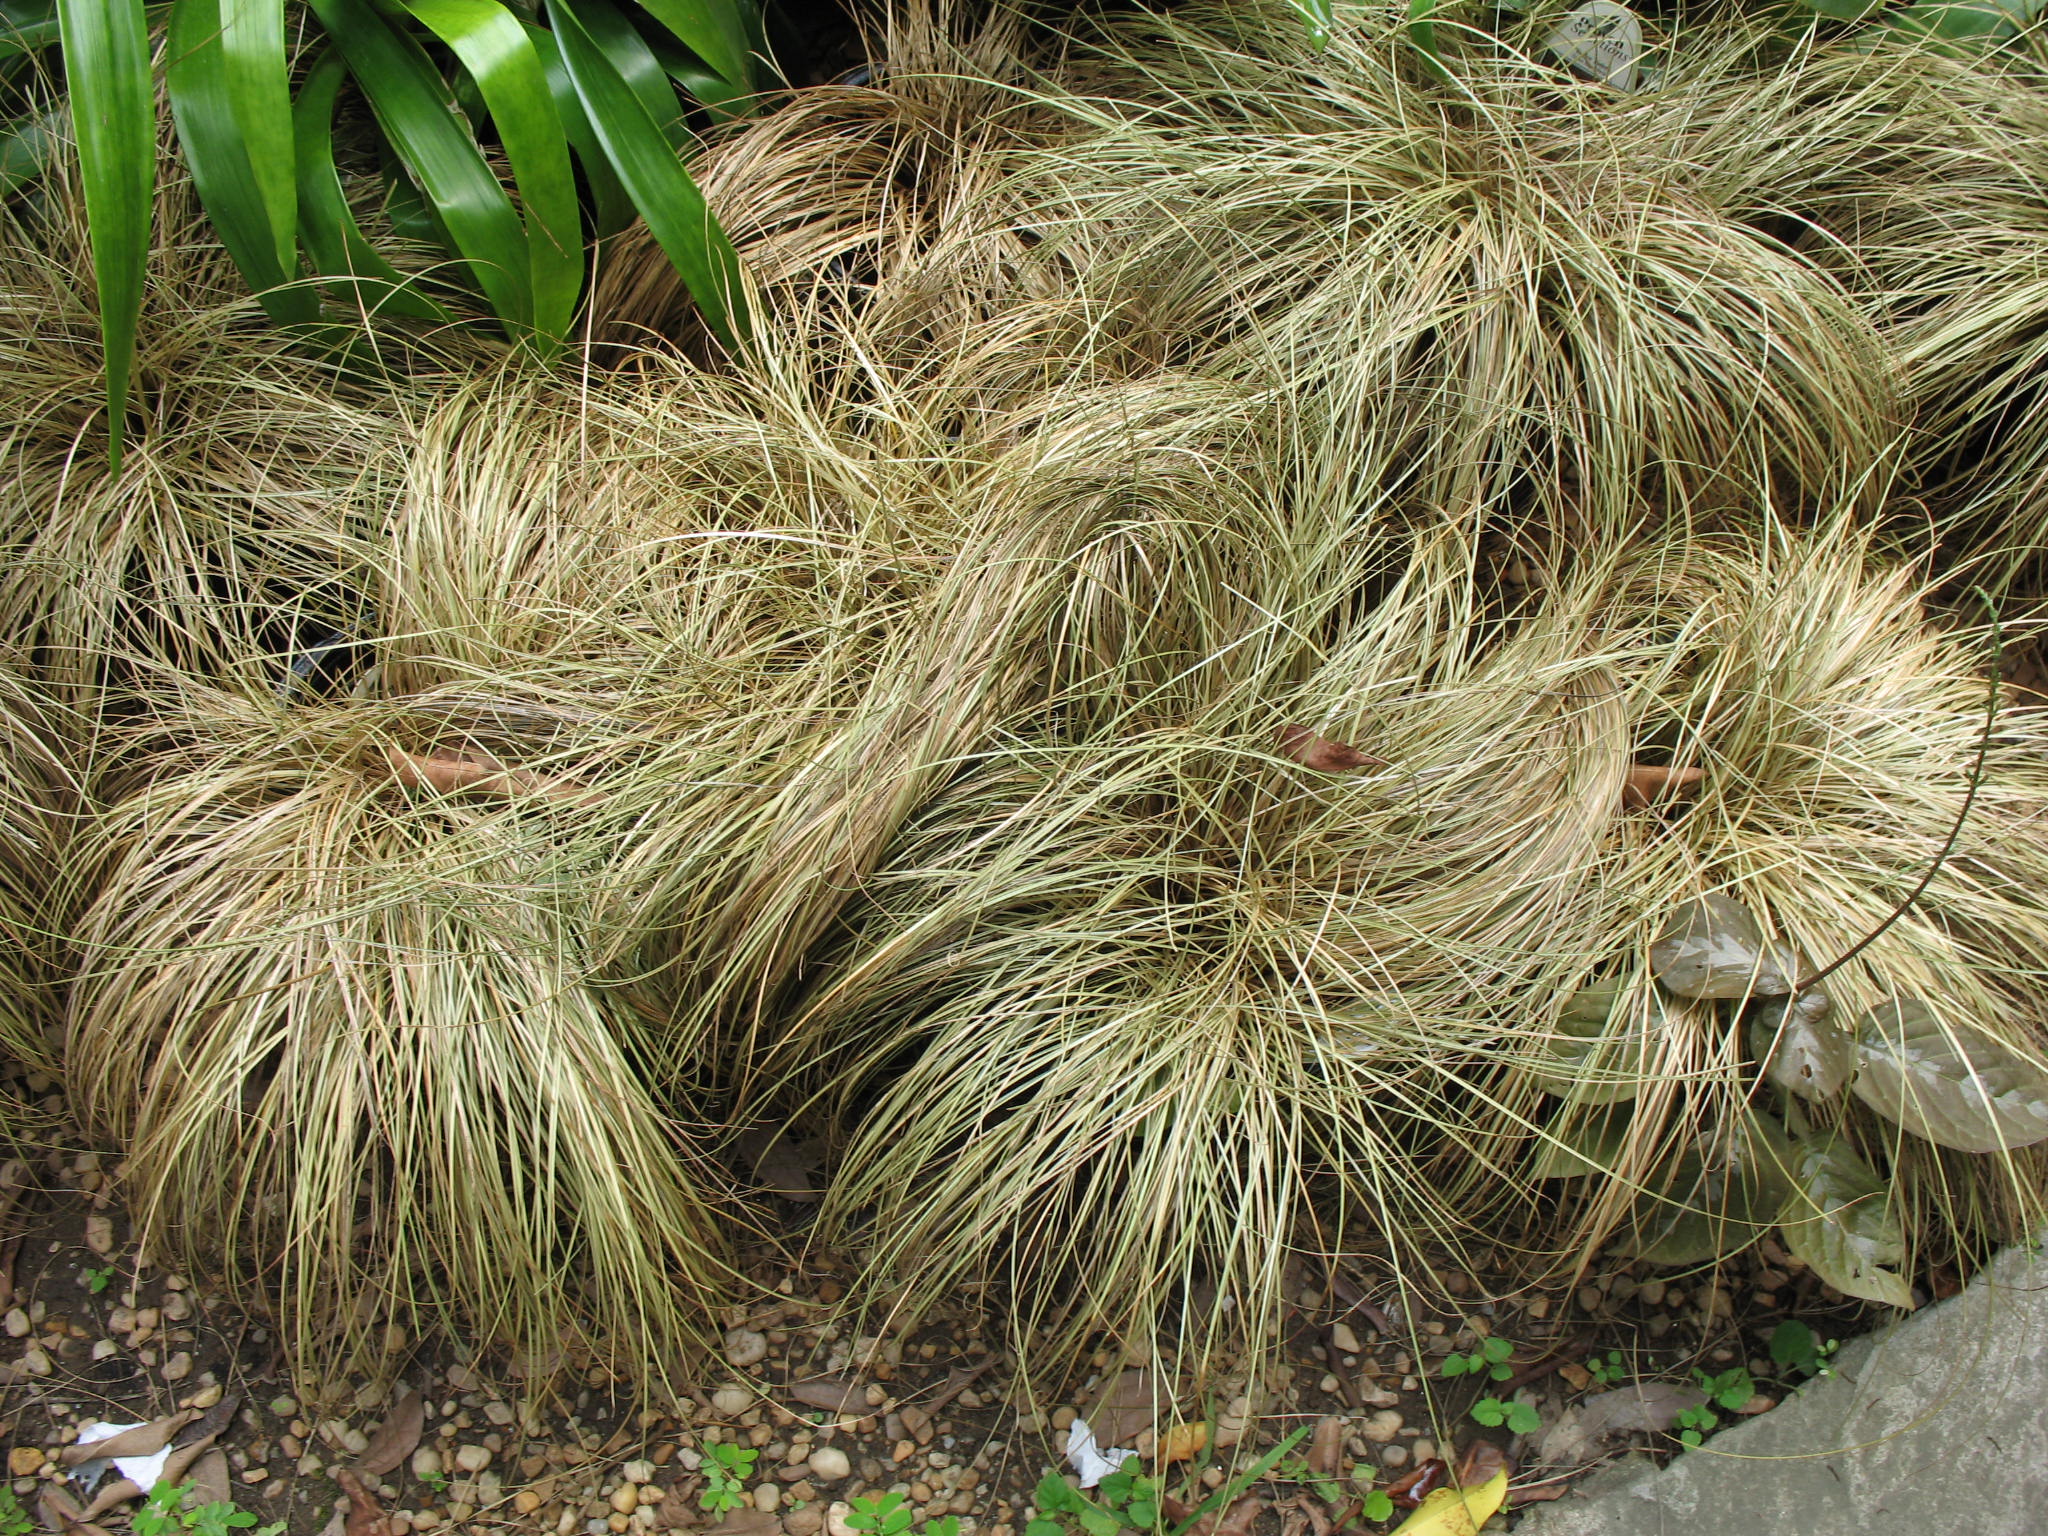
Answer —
(890, 1514)
(726, 1469)
(1607, 1372)
(97, 1280)
(1729, 1390)
(1378, 1506)
(169, 1511)
(14, 1520)
(1518, 1416)
(1797, 1348)
(1128, 1500)
(1489, 1359)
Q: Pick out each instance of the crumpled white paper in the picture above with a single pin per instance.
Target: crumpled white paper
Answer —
(1089, 1459)
(143, 1471)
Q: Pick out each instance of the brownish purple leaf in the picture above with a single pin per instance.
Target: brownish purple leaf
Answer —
(1322, 754)
(834, 1394)
(398, 1437)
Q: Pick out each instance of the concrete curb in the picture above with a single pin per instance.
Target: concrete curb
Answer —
(1937, 1426)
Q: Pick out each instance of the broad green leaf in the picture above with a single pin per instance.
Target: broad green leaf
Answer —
(1846, 10)
(1966, 21)
(113, 114)
(628, 53)
(1422, 33)
(27, 27)
(259, 91)
(715, 30)
(1596, 1053)
(417, 114)
(1714, 947)
(611, 209)
(720, 100)
(1801, 1049)
(1957, 1090)
(1317, 17)
(1582, 1142)
(676, 213)
(1840, 1222)
(216, 149)
(333, 239)
(493, 47)
(1722, 1192)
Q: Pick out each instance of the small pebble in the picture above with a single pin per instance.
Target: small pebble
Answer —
(836, 1519)
(178, 1367)
(807, 1521)
(1422, 1449)
(744, 1347)
(625, 1498)
(25, 1460)
(1345, 1340)
(766, 1498)
(731, 1401)
(99, 1234)
(638, 1471)
(829, 1464)
(1394, 1457)
(426, 1463)
(472, 1458)
(1382, 1426)
(17, 1323)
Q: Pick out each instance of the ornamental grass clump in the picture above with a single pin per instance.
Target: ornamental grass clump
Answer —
(1125, 1008)
(1561, 315)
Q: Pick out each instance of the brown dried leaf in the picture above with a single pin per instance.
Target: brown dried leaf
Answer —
(749, 1522)
(211, 1480)
(62, 1515)
(1482, 1461)
(450, 773)
(1239, 1519)
(398, 1437)
(1321, 754)
(1124, 1408)
(1647, 784)
(366, 1516)
(834, 1394)
(112, 1496)
(1326, 1447)
(1579, 1377)
(142, 1440)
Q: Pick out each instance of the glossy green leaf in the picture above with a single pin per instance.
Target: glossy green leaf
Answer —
(1970, 22)
(259, 90)
(628, 53)
(1800, 1048)
(715, 30)
(1317, 17)
(417, 114)
(27, 27)
(332, 237)
(1957, 1089)
(113, 114)
(1722, 1192)
(671, 203)
(1422, 33)
(1581, 1141)
(1596, 1052)
(611, 209)
(494, 48)
(1841, 1223)
(215, 145)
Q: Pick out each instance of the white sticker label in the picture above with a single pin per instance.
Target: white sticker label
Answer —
(1601, 41)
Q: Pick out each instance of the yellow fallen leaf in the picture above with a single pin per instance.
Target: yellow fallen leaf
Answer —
(1456, 1511)
(1183, 1441)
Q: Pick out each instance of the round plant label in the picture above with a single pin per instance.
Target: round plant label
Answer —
(1600, 41)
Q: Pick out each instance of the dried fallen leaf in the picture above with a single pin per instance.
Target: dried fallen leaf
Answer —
(452, 772)
(210, 1479)
(397, 1438)
(1480, 1463)
(1237, 1520)
(1183, 1441)
(1411, 1488)
(1579, 1377)
(834, 1394)
(1581, 1431)
(1326, 1447)
(1647, 784)
(1124, 1408)
(143, 1440)
(115, 1494)
(62, 1515)
(749, 1522)
(1322, 754)
(1457, 1511)
(366, 1516)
